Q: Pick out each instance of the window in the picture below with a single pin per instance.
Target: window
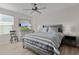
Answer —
(6, 23)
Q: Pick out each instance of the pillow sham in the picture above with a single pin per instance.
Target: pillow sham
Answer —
(45, 29)
(52, 29)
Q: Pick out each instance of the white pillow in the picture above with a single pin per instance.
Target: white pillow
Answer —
(44, 29)
(41, 29)
(52, 29)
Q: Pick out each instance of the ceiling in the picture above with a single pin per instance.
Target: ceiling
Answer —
(19, 7)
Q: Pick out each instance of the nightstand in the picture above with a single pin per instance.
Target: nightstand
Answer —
(77, 41)
(70, 40)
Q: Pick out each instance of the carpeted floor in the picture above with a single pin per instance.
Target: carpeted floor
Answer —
(14, 49)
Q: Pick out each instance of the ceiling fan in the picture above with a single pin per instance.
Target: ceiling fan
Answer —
(36, 8)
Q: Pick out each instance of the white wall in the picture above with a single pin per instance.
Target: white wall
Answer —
(69, 17)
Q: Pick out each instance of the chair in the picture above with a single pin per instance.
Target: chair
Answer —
(14, 37)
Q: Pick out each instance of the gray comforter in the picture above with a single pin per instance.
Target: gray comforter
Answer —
(43, 43)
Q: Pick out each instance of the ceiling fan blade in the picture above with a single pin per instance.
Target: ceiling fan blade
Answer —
(41, 8)
(38, 11)
(27, 9)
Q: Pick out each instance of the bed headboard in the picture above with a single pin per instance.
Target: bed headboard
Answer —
(59, 28)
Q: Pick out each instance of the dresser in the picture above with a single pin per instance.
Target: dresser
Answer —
(71, 40)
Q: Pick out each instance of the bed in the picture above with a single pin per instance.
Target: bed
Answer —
(43, 43)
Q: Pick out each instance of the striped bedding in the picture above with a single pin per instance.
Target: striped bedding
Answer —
(43, 43)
